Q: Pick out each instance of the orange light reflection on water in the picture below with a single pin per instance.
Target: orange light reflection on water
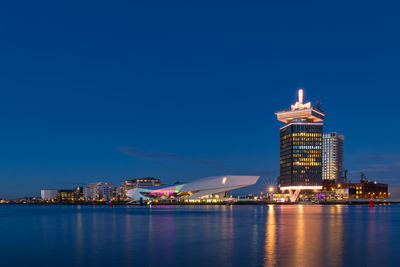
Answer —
(270, 238)
(302, 234)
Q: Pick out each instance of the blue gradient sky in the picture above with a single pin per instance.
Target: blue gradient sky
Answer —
(100, 90)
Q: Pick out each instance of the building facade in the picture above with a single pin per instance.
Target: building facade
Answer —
(78, 193)
(48, 194)
(332, 157)
(135, 183)
(301, 146)
(87, 193)
(145, 182)
(100, 191)
(301, 155)
(65, 195)
(367, 190)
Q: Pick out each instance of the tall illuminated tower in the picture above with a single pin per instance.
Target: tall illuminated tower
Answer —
(300, 147)
(332, 157)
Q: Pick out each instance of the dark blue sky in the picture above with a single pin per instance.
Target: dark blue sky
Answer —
(107, 90)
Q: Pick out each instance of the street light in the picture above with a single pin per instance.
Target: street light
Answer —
(271, 189)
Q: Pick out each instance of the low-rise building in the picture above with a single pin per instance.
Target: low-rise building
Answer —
(363, 190)
(48, 194)
(78, 193)
(65, 195)
(367, 189)
(280, 197)
(100, 191)
(142, 182)
(136, 183)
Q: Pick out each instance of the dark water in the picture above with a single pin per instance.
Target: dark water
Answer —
(200, 236)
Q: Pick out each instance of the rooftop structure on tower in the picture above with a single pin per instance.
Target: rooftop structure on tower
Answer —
(300, 112)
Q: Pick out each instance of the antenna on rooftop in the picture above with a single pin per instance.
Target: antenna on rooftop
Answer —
(300, 96)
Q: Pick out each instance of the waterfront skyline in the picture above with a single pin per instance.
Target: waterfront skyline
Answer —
(182, 91)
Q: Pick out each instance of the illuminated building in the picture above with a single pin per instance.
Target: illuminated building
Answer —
(363, 190)
(300, 147)
(332, 157)
(280, 197)
(140, 182)
(367, 189)
(100, 191)
(78, 193)
(65, 195)
(48, 194)
(136, 183)
(87, 193)
(210, 188)
(146, 182)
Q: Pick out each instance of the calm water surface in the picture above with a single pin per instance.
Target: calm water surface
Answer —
(200, 235)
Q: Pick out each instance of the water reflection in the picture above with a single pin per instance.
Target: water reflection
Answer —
(333, 230)
(300, 235)
(79, 238)
(270, 238)
(291, 235)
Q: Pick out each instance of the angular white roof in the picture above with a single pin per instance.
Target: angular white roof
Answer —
(202, 187)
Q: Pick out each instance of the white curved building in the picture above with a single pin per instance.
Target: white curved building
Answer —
(210, 187)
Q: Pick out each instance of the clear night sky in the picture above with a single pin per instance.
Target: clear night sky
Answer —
(107, 90)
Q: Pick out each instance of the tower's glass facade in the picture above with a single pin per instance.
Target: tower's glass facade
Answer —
(301, 154)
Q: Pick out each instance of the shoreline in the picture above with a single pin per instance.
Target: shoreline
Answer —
(243, 202)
